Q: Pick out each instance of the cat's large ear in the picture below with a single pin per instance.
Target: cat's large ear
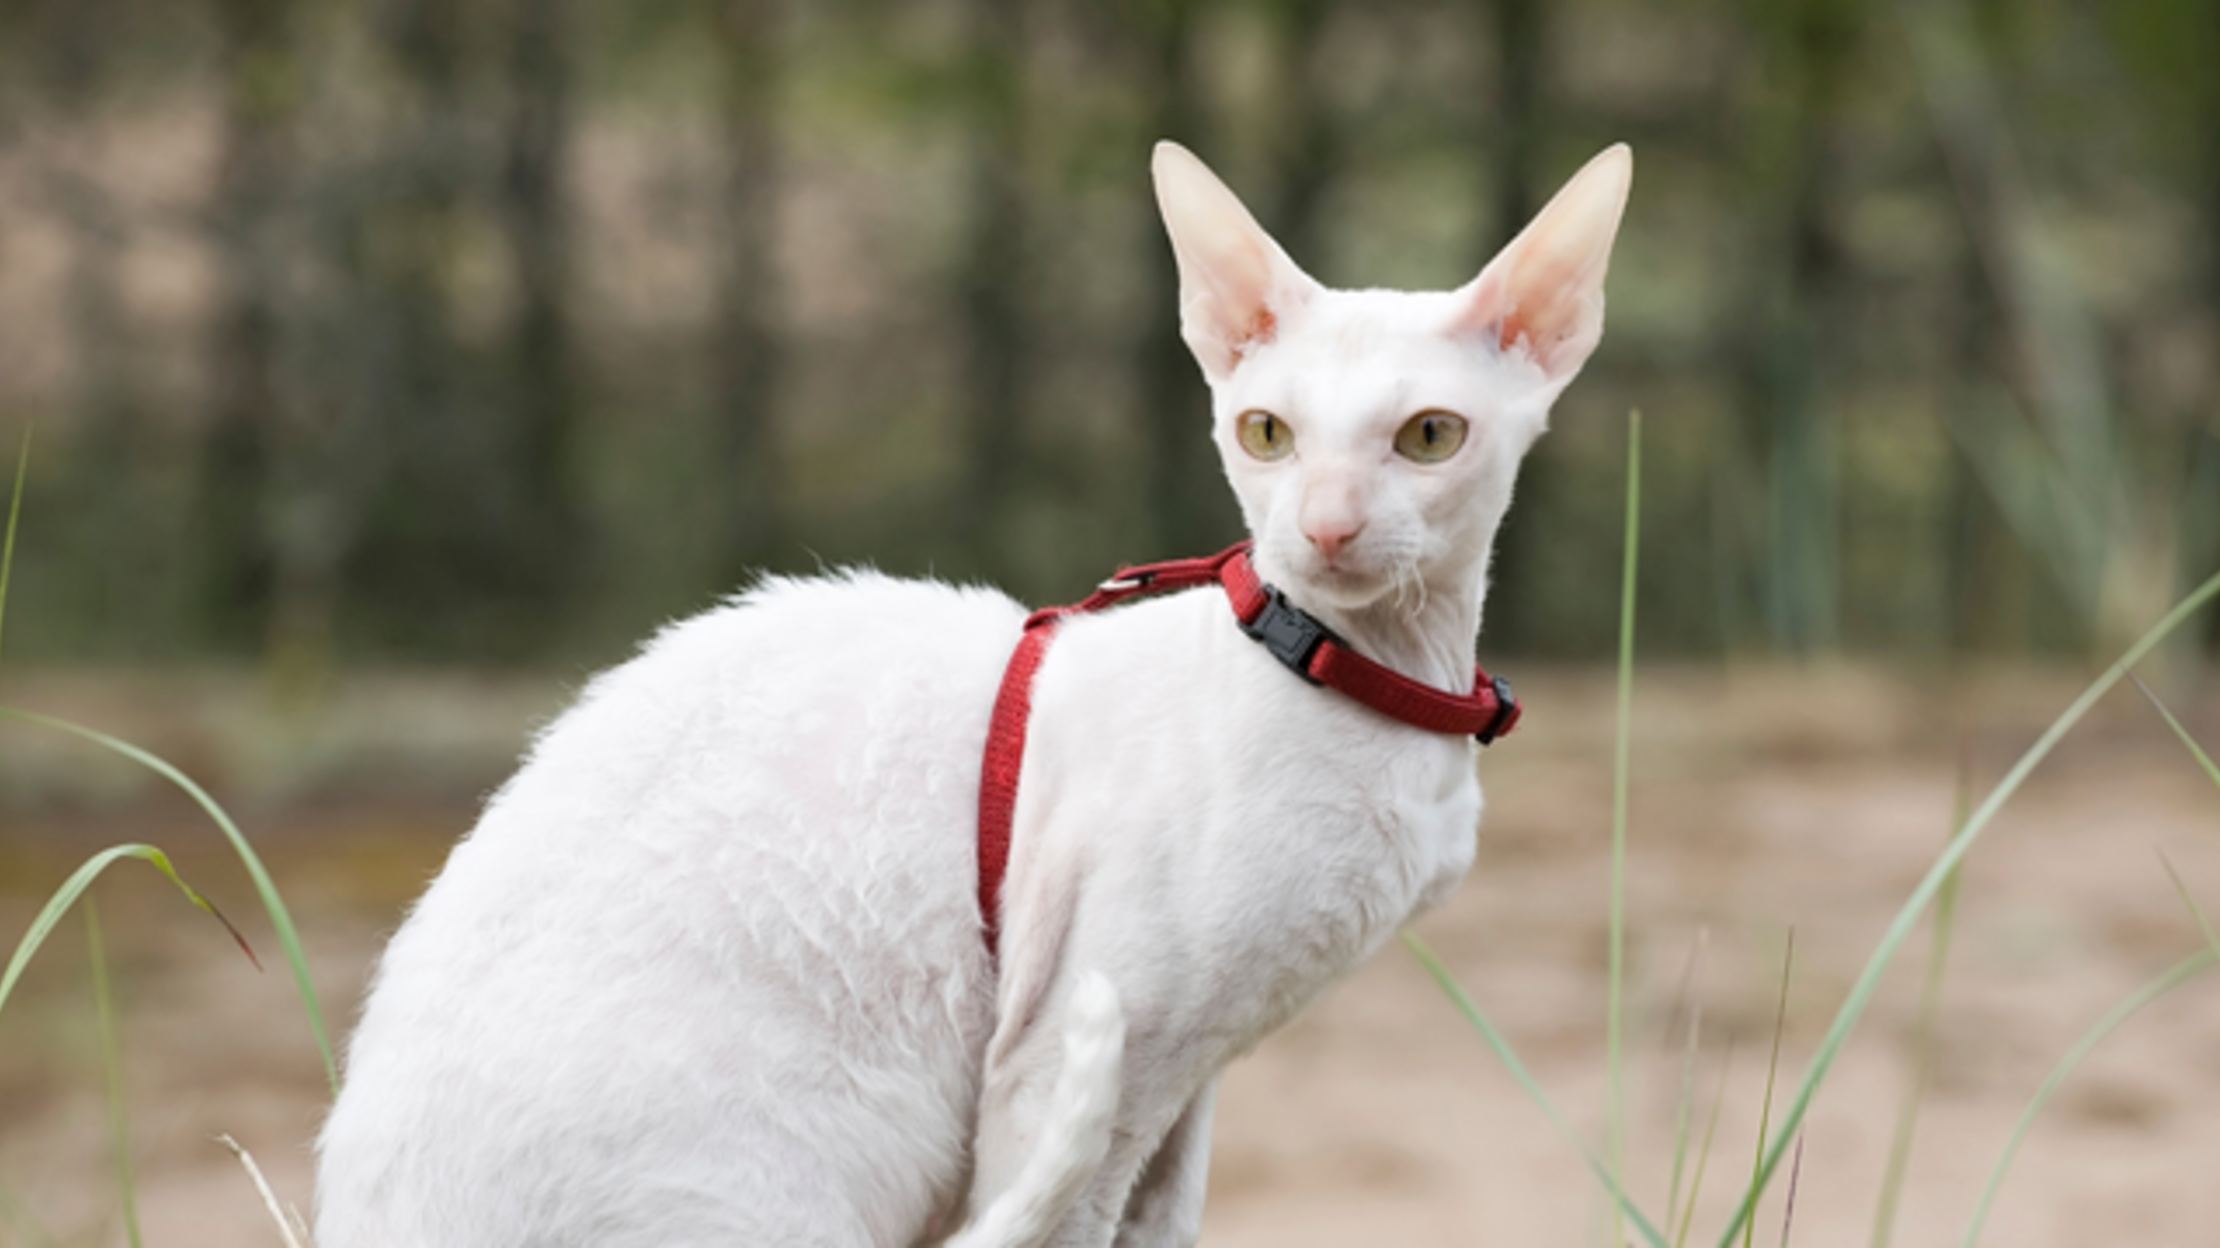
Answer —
(1545, 290)
(1235, 284)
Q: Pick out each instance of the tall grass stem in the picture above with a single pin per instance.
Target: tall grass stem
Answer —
(1861, 992)
(2181, 972)
(1703, 1154)
(1923, 1033)
(288, 1230)
(111, 1067)
(2196, 751)
(1772, 1074)
(1528, 1084)
(1621, 760)
(15, 514)
(2196, 911)
(1684, 1102)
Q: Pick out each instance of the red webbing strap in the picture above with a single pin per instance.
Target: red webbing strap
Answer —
(1243, 586)
(1013, 705)
(998, 781)
(1399, 697)
(1163, 578)
(1487, 712)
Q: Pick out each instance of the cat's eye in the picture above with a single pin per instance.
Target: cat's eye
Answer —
(1431, 436)
(1264, 435)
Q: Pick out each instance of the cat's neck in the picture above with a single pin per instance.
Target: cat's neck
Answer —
(1426, 634)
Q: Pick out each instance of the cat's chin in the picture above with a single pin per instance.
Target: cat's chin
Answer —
(1341, 588)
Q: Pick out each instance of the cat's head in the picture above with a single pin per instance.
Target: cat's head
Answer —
(1373, 436)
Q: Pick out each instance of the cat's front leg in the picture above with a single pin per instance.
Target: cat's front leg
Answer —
(1065, 1139)
(1165, 1208)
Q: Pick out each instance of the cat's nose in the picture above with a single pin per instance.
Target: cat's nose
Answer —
(1329, 539)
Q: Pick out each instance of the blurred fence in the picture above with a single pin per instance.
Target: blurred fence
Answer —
(497, 330)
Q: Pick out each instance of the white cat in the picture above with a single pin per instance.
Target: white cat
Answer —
(710, 970)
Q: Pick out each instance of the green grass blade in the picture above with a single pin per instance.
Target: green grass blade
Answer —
(15, 513)
(1861, 992)
(1685, 1101)
(1703, 1155)
(42, 924)
(1621, 757)
(111, 1065)
(1795, 1176)
(280, 918)
(1526, 1081)
(2181, 972)
(2203, 760)
(1923, 1038)
(2195, 911)
(1772, 1073)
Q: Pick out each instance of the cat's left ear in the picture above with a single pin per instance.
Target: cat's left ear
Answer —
(1544, 292)
(1235, 284)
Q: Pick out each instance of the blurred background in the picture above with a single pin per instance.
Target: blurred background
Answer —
(492, 331)
(389, 365)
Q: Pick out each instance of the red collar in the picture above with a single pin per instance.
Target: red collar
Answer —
(1292, 635)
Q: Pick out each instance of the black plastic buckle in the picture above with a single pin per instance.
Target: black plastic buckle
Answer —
(1506, 710)
(1291, 634)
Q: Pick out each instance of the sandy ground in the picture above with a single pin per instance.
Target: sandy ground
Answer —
(1764, 801)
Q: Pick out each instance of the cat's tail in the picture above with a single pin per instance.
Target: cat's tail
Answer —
(1075, 1137)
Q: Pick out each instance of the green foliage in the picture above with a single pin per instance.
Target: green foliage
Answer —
(73, 888)
(1861, 992)
(1621, 765)
(1923, 1039)
(2180, 973)
(1605, 1174)
(75, 891)
(111, 1066)
(273, 903)
(1759, 1163)
(1939, 881)
(452, 407)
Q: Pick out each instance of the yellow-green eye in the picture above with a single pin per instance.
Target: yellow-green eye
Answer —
(1264, 435)
(1431, 436)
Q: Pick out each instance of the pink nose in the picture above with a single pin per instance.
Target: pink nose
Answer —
(1329, 541)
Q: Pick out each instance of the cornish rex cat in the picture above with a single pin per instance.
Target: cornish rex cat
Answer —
(710, 970)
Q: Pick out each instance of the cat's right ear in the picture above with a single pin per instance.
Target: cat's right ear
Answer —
(1544, 294)
(1235, 284)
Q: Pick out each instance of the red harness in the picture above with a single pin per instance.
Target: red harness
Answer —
(1294, 636)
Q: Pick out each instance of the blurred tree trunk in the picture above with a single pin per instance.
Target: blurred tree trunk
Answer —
(425, 501)
(1790, 316)
(253, 597)
(992, 297)
(1189, 508)
(543, 378)
(117, 561)
(748, 355)
(112, 539)
(1521, 52)
(1990, 575)
(1311, 149)
(2203, 486)
(1521, 49)
(467, 518)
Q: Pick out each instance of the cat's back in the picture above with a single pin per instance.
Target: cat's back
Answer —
(809, 727)
(728, 889)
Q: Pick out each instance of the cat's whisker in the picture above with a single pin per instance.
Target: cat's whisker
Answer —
(1417, 605)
